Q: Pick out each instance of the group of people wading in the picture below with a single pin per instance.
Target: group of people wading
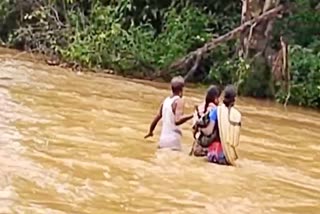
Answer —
(216, 127)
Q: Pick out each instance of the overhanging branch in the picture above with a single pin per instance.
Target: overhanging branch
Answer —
(213, 43)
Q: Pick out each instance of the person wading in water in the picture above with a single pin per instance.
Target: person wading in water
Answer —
(221, 132)
(171, 112)
(211, 101)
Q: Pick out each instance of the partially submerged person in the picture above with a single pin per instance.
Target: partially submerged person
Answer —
(223, 130)
(171, 112)
(211, 101)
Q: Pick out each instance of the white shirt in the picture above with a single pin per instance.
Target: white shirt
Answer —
(170, 136)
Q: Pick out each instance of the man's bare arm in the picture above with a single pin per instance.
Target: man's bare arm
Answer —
(178, 109)
(154, 123)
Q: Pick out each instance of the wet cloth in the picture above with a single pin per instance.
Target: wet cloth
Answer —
(215, 153)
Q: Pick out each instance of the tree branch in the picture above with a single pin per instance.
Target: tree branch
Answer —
(213, 43)
(286, 70)
(193, 70)
(249, 40)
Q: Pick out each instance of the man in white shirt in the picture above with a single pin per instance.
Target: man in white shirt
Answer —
(171, 112)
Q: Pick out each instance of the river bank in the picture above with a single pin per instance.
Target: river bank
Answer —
(43, 60)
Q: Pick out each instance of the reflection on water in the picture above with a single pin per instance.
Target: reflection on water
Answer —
(74, 143)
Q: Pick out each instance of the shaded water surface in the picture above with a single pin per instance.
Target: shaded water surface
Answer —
(74, 143)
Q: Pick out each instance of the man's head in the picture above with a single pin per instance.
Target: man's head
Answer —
(230, 94)
(177, 85)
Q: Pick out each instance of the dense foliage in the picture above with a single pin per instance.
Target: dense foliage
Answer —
(141, 37)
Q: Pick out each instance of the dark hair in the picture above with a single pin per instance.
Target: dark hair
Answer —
(177, 84)
(213, 92)
(230, 93)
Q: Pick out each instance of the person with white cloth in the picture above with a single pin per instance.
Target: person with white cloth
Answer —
(221, 135)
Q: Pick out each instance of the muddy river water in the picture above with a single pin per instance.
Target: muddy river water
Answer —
(73, 144)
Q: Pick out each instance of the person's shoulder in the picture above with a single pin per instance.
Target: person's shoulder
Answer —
(213, 113)
(211, 106)
(177, 99)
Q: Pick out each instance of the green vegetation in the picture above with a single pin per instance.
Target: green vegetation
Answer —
(143, 37)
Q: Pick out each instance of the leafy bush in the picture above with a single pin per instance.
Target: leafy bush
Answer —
(104, 42)
(305, 78)
(230, 71)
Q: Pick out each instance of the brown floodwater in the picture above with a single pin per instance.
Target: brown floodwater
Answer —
(73, 143)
